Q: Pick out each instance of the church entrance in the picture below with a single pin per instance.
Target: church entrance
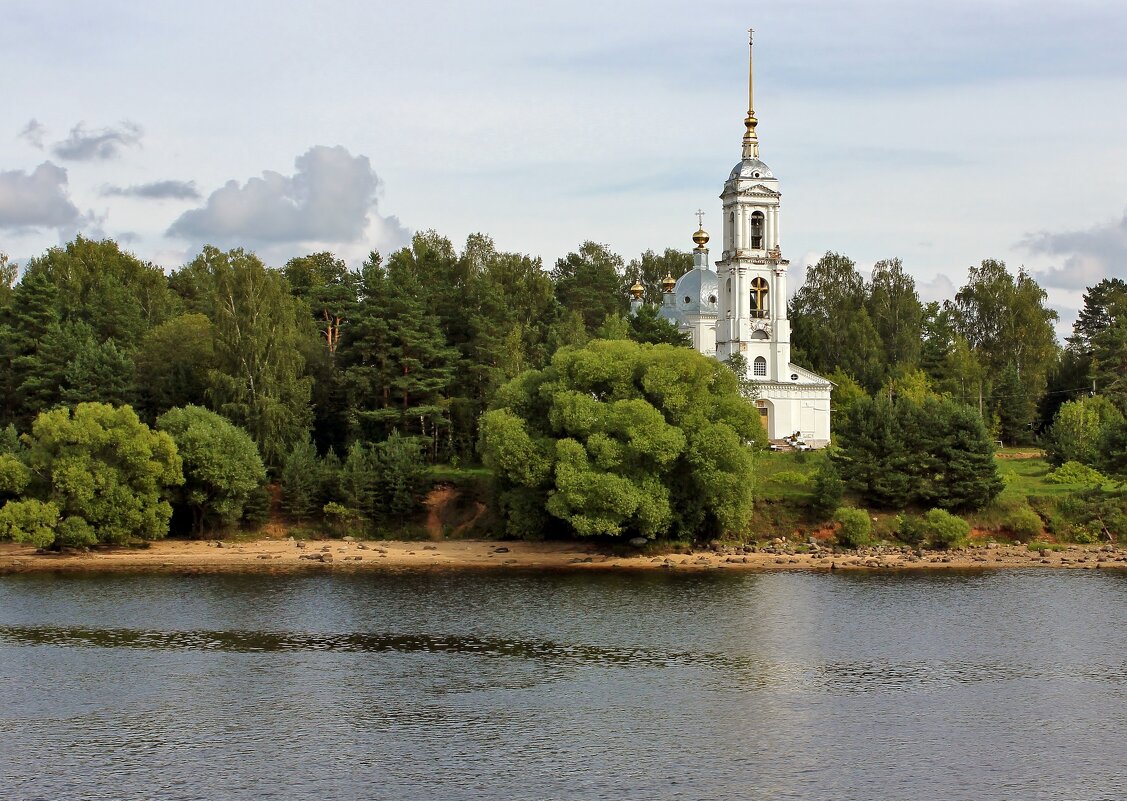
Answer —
(764, 415)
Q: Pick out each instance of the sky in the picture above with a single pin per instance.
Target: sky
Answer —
(942, 133)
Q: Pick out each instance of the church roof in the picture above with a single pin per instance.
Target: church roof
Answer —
(751, 168)
(696, 292)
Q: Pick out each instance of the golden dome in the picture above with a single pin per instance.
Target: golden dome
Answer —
(701, 237)
(637, 290)
(668, 283)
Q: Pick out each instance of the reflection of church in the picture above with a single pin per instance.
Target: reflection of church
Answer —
(740, 308)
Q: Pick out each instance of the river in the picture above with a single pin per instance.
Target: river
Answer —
(1007, 684)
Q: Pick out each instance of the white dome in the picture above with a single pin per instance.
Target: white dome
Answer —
(751, 168)
(697, 291)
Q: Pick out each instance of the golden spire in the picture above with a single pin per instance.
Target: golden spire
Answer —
(637, 290)
(751, 141)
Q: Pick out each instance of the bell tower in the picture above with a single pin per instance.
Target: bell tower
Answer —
(752, 311)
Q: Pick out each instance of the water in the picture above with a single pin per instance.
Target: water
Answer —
(480, 685)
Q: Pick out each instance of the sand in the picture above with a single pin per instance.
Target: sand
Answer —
(280, 555)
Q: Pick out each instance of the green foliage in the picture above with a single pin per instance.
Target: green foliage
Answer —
(932, 454)
(936, 528)
(302, 478)
(1077, 431)
(173, 361)
(403, 477)
(14, 475)
(341, 520)
(386, 481)
(32, 521)
(589, 283)
(397, 365)
(650, 268)
(853, 526)
(619, 438)
(256, 508)
(257, 382)
(221, 465)
(646, 325)
(831, 325)
(1076, 473)
(105, 471)
(828, 490)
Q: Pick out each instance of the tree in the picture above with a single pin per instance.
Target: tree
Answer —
(589, 282)
(1005, 322)
(646, 325)
(1078, 431)
(302, 480)
(895, 310)
(114, 292)
(650, 268)
(396, 363)
(935, 453)
(618, 438)
(221, 466)
(174, 360)
(105, 471)
(831, 326)
(257, 382)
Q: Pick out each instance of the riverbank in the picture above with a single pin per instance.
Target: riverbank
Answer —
(276, 555)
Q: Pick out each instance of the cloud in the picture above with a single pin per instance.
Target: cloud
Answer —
(327, 199)
(33, 133)
(157, 190)
(100, 145)
(1091, 254)
(36, 200)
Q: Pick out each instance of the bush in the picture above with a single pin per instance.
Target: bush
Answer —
(1076, 473)
(937, 529)
(828, 490)
(854, 526)
(794, 477)
(1023, 522)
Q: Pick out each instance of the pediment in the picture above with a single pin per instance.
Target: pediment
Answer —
(759, 189)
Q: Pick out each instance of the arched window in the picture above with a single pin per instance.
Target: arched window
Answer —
(759, 367)
(757, 230)
(758, 297)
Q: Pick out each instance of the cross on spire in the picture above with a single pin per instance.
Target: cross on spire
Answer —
(700, 218)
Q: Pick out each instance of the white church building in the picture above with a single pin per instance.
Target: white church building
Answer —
(741, 305)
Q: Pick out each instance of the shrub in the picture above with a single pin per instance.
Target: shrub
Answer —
(794, 477)
(1075, 473)
(828, 490)
(854, 526)
(1023, 522)
(937, 528)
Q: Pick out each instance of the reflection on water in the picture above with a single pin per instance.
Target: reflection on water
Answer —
(572, 686)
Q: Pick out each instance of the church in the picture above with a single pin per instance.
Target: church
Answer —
(740, 306)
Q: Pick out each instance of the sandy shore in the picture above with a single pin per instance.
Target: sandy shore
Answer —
(279, 555)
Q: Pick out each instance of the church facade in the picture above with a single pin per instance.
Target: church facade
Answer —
(740, 306)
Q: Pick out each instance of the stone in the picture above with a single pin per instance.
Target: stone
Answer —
(500, 549)
(638, 542)
(301, 544)
(348, 539)
(430, 547)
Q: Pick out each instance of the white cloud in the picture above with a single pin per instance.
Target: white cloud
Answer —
(1090, 254)
(99, 145)
(37, 199)
(328, 199)
(33, 133)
